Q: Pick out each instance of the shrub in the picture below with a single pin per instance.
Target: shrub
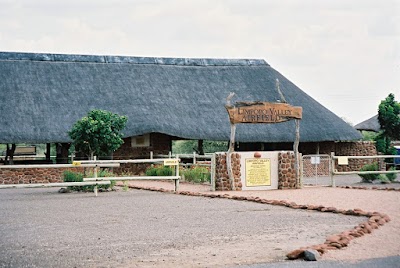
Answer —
(391, 176)
(383, 179)
(369, 177)
(197, 174)
(159, 171)
(164, 171)
(70, 176)
(151, 171)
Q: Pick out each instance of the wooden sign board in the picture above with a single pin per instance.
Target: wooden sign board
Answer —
(262, 112)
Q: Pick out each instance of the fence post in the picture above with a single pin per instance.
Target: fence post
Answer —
(95, 175)
(301, 171)
(194, 158)
(333, 184)
(213, 171)
(177, 180)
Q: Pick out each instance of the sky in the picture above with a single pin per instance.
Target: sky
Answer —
(343, 53)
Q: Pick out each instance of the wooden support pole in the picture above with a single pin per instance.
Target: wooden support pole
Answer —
(231, 150)
(231, 145)
(296, 153)
(48, 147)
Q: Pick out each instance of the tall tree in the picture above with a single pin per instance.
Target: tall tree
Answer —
(389, 119)
(98, 133)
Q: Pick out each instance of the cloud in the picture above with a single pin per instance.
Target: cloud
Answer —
(345, 47)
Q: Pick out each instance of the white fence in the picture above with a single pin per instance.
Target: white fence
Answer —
(343, 160)
(207, 160)
(97, 180)
(56, 184)
(170, 161)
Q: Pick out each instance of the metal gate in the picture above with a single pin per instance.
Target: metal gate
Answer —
(316, 169)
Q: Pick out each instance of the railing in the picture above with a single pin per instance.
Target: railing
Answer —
(197, 160)
(57, 184)
(345, 159)
(169, 161)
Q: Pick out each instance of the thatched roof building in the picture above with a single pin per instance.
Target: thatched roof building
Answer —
(43, 95)
(371, 124)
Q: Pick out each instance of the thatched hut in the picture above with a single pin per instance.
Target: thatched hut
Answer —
(43, 95)
(371, 124)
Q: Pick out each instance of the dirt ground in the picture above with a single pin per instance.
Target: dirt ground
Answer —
(42, 228)
(383, 242)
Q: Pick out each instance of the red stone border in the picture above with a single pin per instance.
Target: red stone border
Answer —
(333, 242)
(370, 188)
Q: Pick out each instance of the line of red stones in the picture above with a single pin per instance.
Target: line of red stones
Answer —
(370, 188)
(333, 242)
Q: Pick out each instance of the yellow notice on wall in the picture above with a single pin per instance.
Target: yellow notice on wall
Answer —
(258, 172)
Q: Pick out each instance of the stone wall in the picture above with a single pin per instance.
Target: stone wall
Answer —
(286, 172)
(361, 148)
(33, 175)
(357, 148)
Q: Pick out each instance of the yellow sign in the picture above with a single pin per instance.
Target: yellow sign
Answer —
(76, 163)
(171, 162)
(258, 172)
(262, 112)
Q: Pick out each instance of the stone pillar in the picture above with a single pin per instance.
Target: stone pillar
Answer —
(286, 171)
(222, 182)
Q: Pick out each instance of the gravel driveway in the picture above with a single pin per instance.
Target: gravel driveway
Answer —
(43, 228)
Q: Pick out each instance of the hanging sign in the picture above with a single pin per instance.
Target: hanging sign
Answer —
(262, 112)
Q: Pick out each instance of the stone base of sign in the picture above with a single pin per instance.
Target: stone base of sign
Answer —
(222, 182)
(286, 171)
(281, 164)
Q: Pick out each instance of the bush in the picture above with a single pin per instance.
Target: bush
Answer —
(70, 176)
(197, 174)
(159, 171)
(369, 177)
(384, 178)
(391, 176)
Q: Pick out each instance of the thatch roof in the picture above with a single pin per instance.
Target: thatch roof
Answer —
(43, 95)
(371, 124)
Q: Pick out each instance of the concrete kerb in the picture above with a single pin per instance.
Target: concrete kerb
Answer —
(333, 242)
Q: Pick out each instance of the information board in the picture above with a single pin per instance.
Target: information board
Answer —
(258, 172)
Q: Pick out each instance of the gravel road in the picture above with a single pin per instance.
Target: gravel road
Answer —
(43, 228)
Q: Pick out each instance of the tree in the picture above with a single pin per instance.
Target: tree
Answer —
(98, 133)
(389, 119)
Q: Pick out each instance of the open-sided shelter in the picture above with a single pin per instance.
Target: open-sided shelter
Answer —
(42, 95)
